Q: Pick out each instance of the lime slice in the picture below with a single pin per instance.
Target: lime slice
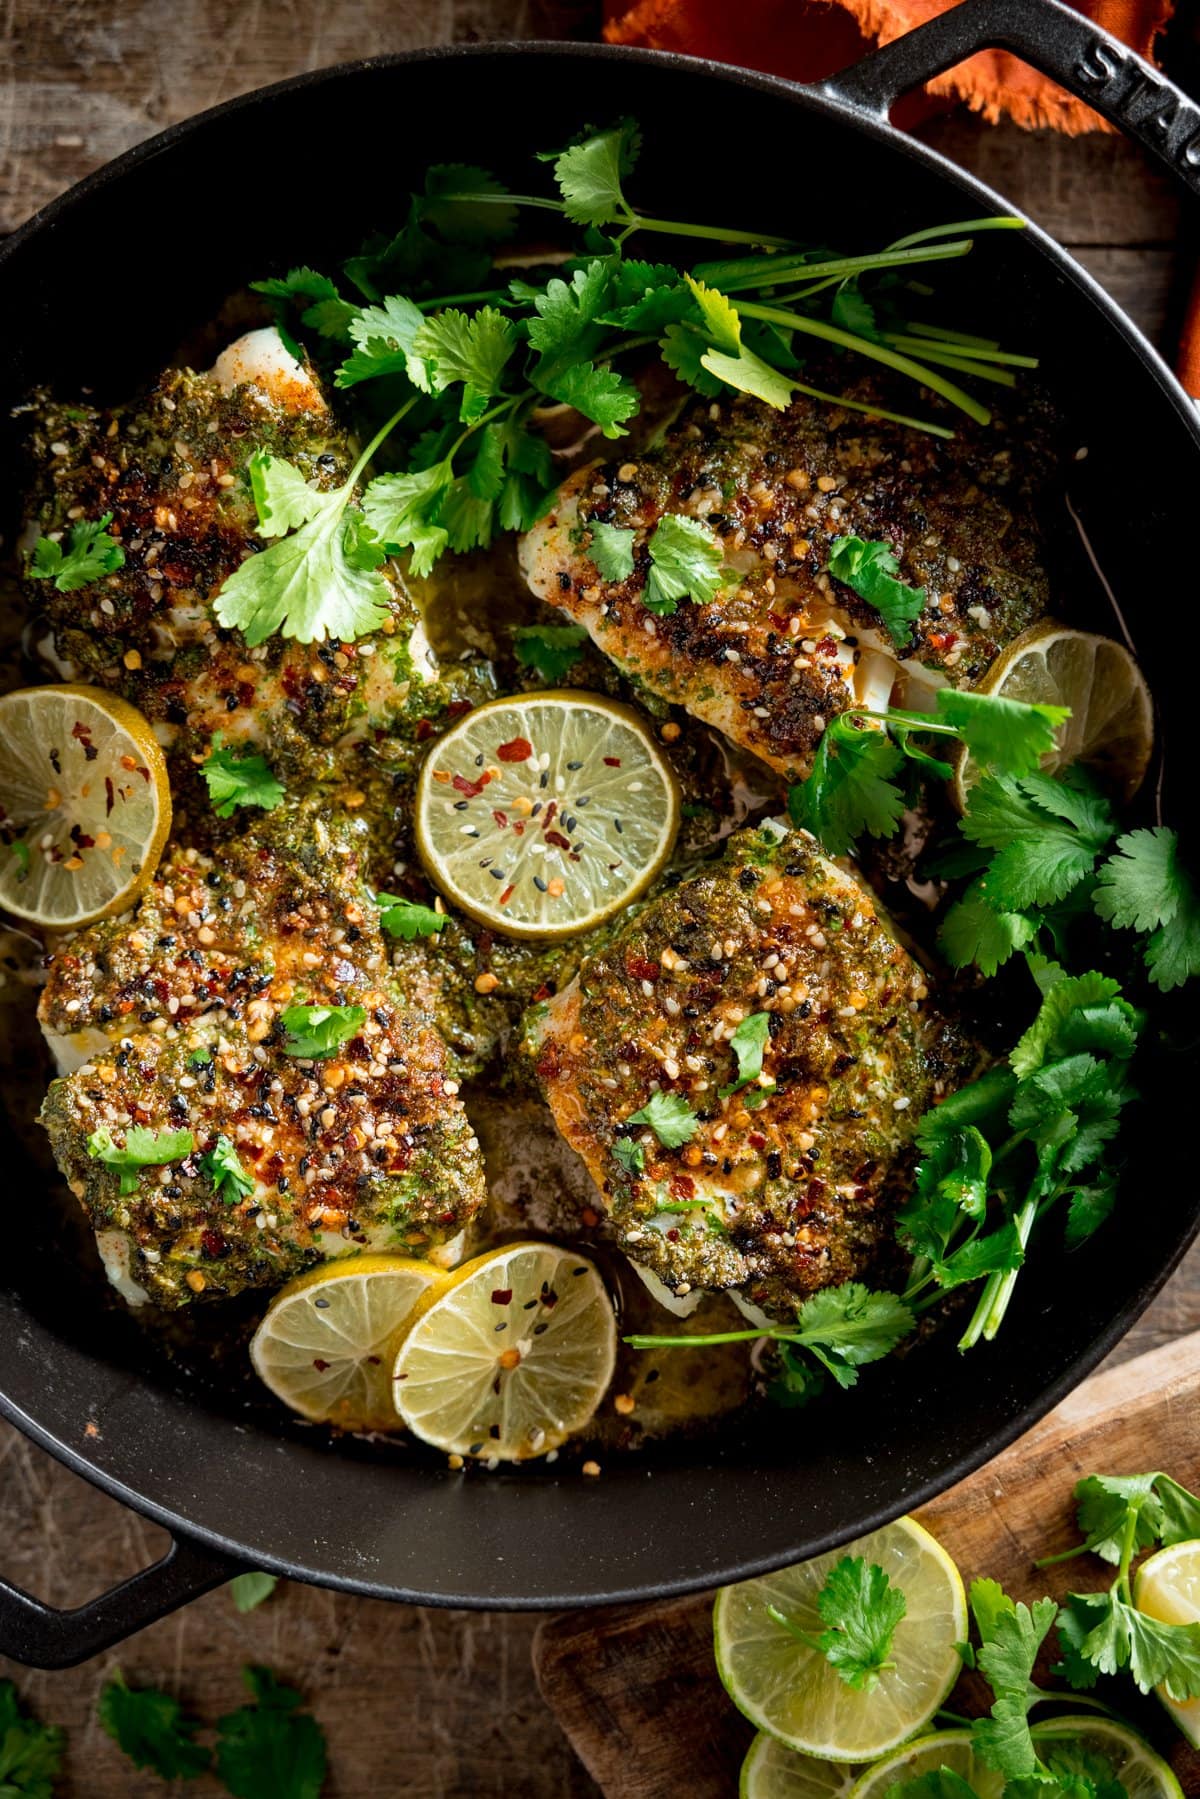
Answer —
(1114, 1747)
(773, 1771)
(514, 1357)
(1167, 1587)
(85, 804)
(328, 1343)
(1111, 727)
(791, 1691)
(543, 816)
(944, 1749)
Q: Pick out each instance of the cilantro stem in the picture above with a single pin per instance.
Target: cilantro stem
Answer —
(384, 430)
(833, 334)
(484, 294)
(632, 221)
(993, 222)
(953, 359)
(971, 350)
(763, 271)
(875, 412)
(998, 1290)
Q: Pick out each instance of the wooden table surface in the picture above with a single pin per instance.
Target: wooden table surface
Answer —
(431, 1705)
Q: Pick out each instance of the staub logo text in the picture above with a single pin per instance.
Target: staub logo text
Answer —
(1135, 96)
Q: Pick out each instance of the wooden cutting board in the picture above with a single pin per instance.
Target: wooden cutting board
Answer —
(635, 1689)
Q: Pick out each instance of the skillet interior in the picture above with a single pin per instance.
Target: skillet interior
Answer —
(100, 292)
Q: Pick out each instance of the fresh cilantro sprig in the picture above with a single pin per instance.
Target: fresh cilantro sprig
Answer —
(407, 918)
(870, 571)
(1011, 1634)
(550, 650)
(1104, 1632)
(225, 1171)
(748, 1042)
(1145, 886)
(317, 1031)
(860, 1609)
(142, 1148)
(686, 563)
(249, 1590)
(90, 554)
(1025, 1137)
(670, 1118)
(152, 1729)
(239, 778)
(271, 1749)
(836, 1332)
(30, 1753)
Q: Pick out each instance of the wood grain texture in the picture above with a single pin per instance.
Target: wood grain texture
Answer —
(431, 1705)
(637, 1692)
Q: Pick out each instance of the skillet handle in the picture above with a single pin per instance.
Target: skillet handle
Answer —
(1058, 41)
(42, 1637)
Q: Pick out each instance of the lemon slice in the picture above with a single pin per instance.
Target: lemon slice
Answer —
(1077, 1739)
(514, 1357)
(545, 815)
(792, 1692)
(944, 1749)
(1167, 1587)
(1111, 727)
(773, 1771)
(328, 1343)
(85, 804)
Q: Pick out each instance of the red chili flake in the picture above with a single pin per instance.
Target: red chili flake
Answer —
(612, 762)
(319, 1365)
(502, 1296)
(213, 1244)
(109, 796)
(501, 818)
(519, 749)
(682, 1186)
(506, 895)
(827, 647)
(551, 809)
(943, 640)
(457, 708)
(558, 840)
(779, 620)
(757, 1140)
(519, 826)
(448, 1218)
(469, 789)
(424, 729)
(672, 1236)
(639, 969)
(82, 734)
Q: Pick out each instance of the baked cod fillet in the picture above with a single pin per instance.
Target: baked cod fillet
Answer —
(786, 646)
(169, 1019)
(173, 470)
(789, 1183)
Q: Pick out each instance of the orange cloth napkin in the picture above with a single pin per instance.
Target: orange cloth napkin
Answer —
(809, 39)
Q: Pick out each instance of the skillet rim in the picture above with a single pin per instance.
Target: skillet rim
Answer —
(823, 100)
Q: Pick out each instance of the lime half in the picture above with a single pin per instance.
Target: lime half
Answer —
(543, 816)
(85, 804)
(1168, 1588)
(1103, 1748)
(792, 1692)
(773, 1771)
(944, 1749)
(514, 1356)
(1111, 727)
(329, 1340)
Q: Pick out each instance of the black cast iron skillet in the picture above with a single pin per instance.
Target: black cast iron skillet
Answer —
(300, 172)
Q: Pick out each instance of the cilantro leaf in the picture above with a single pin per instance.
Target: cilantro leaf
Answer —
(601, 394)
(630, 1154)
(686, 562)
(870, 570)
(465, 221)
(316, 1031)
(250, 1589)
(973, 930)
(848, 1326)
(1145, 886)
(852, 310)
(403, 511)
(239, 778)
(1141, 1509)
(384, 336)
(937, 1783)
(611, 549)
(1080, 1012)
(747, 1043)
(1007, 735)
(283, 498)
(684, 350)
(589, 175)
(408, 918)
(1046, 836)
(851, 788)
(1012, 1636)
(749, 374)
(550, 649)
(1106, 1634)
(152, 1730)
(861, 1610)
(1088, 1208)
(91, 552)
(305, 586)
(472, 348)
(142, 1149)
(30, 1753)
(669, 1117)
(271, 1749)
(221, 1165)
(566, 314)
(721, 322)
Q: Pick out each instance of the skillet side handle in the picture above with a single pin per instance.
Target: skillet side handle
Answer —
(41, 1637)
(1061, 43)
